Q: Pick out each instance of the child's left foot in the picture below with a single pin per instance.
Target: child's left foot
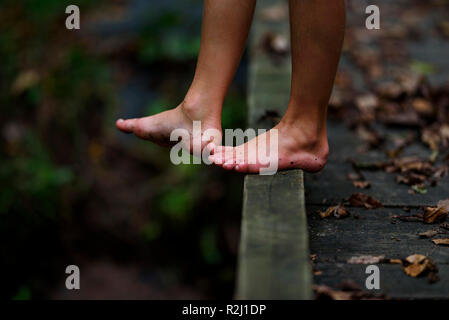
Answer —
(295, 150)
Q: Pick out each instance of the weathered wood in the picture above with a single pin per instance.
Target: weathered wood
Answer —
(274, 256)
(374, 232)
(331, 185)
(394, 283)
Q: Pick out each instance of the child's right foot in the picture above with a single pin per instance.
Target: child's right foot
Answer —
(159, 127)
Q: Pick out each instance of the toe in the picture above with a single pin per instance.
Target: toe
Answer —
(241, 167)
(211, 148)
(126, 126)
(229, 165)
(218, 149)
(229, 156)
(218, 158)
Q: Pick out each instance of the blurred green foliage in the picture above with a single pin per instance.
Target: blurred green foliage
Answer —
(47, 89)
(166, 37)
(56, 98)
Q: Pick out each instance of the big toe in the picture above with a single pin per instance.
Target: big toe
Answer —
(126, 126)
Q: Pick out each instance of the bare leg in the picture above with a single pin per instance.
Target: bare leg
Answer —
(317, 31)
(224, 33)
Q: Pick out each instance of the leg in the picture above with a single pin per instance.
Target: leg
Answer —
(224, 33)
(317, 31)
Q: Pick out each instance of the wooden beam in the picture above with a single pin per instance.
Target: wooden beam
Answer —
(274, 252)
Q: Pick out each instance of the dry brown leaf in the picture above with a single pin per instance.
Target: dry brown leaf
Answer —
(353, 176)
(349, 291)
(428, 234)
(418, 264)
(411, 179)
(422, 106)
(390, 90)
(444, 225)
(338, 211)
(396, 261)
(361, 184)
(367, 103)
(443, 204)
(431, 138)
(325, 291)
(369, 135)
(441, 242)
(362, 200)
(435, 214)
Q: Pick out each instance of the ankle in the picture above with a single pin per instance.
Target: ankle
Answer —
(201, 107)
(307, 137)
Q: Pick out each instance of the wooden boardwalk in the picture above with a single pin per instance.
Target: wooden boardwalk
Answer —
(276, 233)
(274, 256)
(372, 232)
(376, 232)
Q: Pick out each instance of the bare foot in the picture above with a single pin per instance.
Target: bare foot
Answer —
(294, 150)
(159, 127)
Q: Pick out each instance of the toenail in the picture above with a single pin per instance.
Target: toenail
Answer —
(237, 167)
(120, 120)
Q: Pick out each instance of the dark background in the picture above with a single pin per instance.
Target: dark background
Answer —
(73, 190)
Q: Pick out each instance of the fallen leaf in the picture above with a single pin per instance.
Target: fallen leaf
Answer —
(353, 176)
(362, 200)
(366, 102)
(396, 261)
(441, 242)
(361, 184)
(369, 135)
(428, 234)
(444, 225)
(431, 138)
(390, 90)
(348, 292)
(325, 291)
(443, 204)
(411, 179)
(422, 67)
(422, 106)
(420, 188)
(435, 214)
(418, 264)
(338, 211)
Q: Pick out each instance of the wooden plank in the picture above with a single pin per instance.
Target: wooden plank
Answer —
(374, 232)
(331, 185)
(394, 283)
(274, 256)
